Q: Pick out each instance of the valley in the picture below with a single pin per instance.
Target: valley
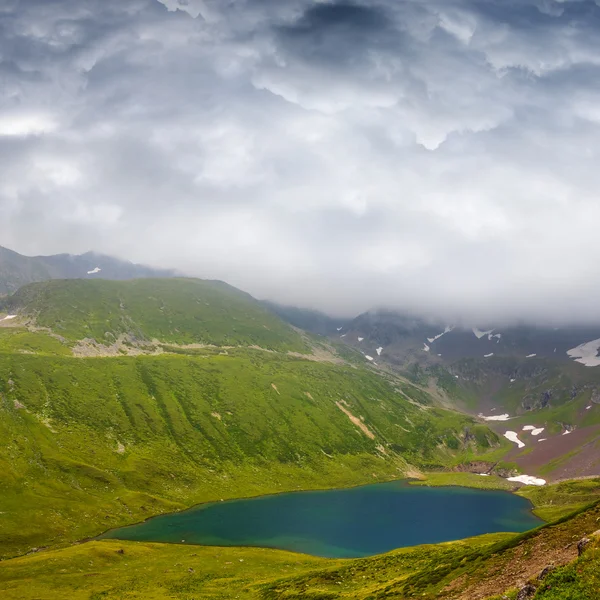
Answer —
(123, 400)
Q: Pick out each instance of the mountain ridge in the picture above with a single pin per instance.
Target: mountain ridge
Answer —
(17, 270)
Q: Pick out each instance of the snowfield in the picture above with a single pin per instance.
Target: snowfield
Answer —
(534, 430)
(527, 480)
(479, 334)
(439, 335)
(586, 354)
(504, 417)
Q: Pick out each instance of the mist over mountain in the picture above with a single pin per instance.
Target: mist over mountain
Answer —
(17, 270)
(432, 157)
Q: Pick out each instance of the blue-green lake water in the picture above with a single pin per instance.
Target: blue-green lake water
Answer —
(344, 523)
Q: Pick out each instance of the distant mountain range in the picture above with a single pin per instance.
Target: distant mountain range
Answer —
(404, 338)
(17, 270)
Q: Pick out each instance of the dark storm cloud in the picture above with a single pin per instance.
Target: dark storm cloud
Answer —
(433, 155)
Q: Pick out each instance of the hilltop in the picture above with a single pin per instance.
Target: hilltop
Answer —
(17, 270)
(177, 311)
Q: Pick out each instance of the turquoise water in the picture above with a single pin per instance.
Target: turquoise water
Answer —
(345, 523)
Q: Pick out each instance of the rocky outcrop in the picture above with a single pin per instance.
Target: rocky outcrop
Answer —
(476, 466)
(582, 545)
(526, 592)
(545, 572)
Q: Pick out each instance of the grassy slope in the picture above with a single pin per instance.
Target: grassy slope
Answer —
(191, 428)
(579, 580)
(184, 311)
(91, 443)
(87, 444)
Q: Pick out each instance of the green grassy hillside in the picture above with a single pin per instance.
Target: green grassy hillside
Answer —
(90, 443)
(122, 438)
(182, 311)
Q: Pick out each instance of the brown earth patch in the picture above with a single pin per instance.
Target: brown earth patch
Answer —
(582, 442)
(355, 420)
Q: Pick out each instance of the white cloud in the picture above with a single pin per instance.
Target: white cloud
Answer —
(429, 155)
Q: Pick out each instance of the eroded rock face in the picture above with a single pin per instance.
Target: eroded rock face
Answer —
(526, 592)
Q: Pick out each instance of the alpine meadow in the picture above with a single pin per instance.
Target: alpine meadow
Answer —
(299, 300)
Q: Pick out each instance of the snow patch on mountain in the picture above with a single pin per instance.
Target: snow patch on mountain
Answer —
(379, 350)
(448, 329)
(531, 356)
(488, 355)
(94, 271)
(426, 348)
(479, 334)
(490, 334)
(527, 480)
(514, 437)
(534, 430)
(9, 318)
(586, 354)
(360, 339)
(504, 417)
(368, 357)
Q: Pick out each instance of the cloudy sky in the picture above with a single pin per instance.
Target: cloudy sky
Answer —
(438, 155)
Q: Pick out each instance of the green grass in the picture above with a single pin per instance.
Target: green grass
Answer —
(98, 570)
(17, 340)
(493, 482)
(183, 311)
(555, 501)
(87, 444)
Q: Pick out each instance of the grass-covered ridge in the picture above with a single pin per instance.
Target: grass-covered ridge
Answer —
(181, 311)
(87, 444)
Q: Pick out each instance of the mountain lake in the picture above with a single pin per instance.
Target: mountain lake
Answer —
(342, 523)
